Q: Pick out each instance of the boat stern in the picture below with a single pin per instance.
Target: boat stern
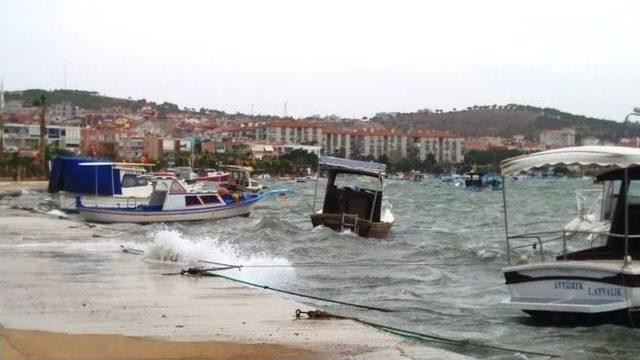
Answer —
(567, 287)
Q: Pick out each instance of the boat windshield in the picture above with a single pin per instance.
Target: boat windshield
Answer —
(356, 182)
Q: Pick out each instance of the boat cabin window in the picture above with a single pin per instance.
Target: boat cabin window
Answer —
(209, 199)
(353, 194)
(192, 200)
(132, 180)
(177, 188)
(356, 182)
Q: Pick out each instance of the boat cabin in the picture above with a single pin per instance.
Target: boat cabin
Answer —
(473, 179)
(621, 204)
(240, 179)
(353, 197)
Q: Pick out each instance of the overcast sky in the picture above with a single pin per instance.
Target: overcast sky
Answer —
(351, 58)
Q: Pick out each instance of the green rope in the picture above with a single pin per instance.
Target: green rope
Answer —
(297, 294)
(423, 337)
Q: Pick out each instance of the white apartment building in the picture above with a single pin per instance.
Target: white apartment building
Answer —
(284, 131)
(27, 137)
(558, 138)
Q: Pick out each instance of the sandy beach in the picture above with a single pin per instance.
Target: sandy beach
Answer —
(109, 304)
(26, 344)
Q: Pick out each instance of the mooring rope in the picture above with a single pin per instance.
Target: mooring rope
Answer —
(209, 272)
(197, 271)
(318, 314)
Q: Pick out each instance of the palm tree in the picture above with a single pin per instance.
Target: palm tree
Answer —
(41, 101)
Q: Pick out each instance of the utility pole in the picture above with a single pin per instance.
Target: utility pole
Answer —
(251, 109)
(2, 105)
(285, 109)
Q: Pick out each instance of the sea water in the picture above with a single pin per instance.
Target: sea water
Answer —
(449, 240)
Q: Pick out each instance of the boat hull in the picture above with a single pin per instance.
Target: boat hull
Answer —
(67, 201)
(575, 291)
(132, 216)
(365, 228)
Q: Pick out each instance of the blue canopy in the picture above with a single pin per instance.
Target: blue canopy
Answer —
(68, 175)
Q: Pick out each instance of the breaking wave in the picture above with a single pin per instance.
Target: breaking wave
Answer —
(174, 246)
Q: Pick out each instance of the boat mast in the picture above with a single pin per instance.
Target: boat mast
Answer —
(506, 222)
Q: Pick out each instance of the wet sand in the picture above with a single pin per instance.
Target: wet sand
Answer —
(25, 345)
(56, 281)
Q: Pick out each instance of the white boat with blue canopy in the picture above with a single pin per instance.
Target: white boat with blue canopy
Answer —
(98, 182)
(559, 276)
(171, 201)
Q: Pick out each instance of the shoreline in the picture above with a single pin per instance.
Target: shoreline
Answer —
(60, 286)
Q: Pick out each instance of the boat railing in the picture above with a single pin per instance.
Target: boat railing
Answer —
(560, 235)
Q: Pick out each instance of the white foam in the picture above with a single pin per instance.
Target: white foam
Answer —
(174, 246)
(57, 213)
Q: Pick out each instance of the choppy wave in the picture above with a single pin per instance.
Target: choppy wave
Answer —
(174, 246)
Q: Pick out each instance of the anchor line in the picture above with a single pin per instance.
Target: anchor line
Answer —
(198, 271)
(209, 272)
(319, 314)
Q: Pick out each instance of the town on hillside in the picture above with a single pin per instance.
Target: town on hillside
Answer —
(133, 130)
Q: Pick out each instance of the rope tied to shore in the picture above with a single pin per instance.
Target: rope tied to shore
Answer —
(321, 315)
(210, 272)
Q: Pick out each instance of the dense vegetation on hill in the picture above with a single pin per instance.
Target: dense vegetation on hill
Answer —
(85, 99)
(507, 121)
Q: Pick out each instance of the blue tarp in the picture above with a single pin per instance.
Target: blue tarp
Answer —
(68, 175)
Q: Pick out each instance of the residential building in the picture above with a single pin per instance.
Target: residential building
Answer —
(445, 146)
(26, 137)
(282, 131)
(553, 139)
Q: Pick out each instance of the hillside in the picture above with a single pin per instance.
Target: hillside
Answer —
(487, 120)
(509, 120)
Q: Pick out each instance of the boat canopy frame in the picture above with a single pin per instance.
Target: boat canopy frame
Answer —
(618, 163)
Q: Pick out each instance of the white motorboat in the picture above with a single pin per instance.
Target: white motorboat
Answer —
(599, 282)
(170, 201)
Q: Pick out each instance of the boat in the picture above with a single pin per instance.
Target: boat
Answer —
(303, 179)
(99, 182)
(353, 198)
(240, 179)
(283, 192)
(170, 201)
(586, 281)
(473, 180)
(451, 178)
(478, 181)
(413, 175)
(213, 175)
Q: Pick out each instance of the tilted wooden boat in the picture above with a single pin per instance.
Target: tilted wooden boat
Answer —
(170, 202)
(239, 179)
(348, 206)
